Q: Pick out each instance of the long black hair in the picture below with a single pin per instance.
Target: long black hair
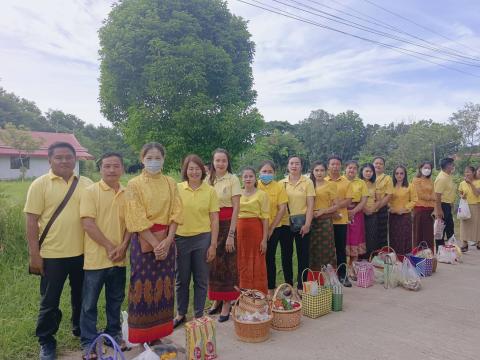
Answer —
(213, 174)
(371, 167)
(312, 167)
(405, 179)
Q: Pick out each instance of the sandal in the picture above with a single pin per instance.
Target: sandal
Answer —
(122, 344)
(91, 356)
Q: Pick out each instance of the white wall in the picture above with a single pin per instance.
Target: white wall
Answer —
(38, 167)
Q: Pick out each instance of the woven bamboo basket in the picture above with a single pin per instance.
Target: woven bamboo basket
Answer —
(252, 300)
(251, 332)
(286, 320)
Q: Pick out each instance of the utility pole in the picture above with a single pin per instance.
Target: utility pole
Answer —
(434, 157)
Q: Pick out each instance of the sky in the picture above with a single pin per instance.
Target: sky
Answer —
(49, 54)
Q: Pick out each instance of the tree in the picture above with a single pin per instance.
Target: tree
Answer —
(64, 123)
(276, 147)
(179, 72)
(21, 140)
(21, 112)
(324, 134)
(467, 120)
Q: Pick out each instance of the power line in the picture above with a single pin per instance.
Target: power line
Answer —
(417, 24)
(372, 31)
(392, 47)
(377, 22)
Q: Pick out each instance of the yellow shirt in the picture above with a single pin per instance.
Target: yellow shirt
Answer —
(297, 194)
(384, 186)
(372, 195)
(65, 237)
(403, 198)
(226, 186)
(197, 206)
(358, 189)
(344, 191)
(277, 195)
(467, 190)
(444, 185)
(254, 206)
(425, 193)
(149, 198)
(325, 195)
(107, 207)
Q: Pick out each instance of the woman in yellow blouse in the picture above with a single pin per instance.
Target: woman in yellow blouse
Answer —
(153, 211)
(322, 243)
(301, 200)
(356, 226)
(277, 233)
(384, 185)
(367, 174)
(223, 276)
(422, 212)
(468, 189)
(252, 233)
(401, 205)
(196, 238)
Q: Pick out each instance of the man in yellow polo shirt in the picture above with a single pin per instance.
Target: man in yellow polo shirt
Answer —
(445, 193)
(344, 199)
(61, 254)
(106, 241)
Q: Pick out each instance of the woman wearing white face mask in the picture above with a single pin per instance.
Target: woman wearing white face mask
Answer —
(153, 211)
(422, 212)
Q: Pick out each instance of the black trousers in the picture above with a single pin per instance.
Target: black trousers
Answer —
(449, 224)
(302, 245)
(280, 235)
(51, 287)
(340, 235)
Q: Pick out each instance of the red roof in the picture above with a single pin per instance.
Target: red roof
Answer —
(49, 138)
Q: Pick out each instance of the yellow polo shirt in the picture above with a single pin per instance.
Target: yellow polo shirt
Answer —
(358, 189)
(467, 190)
(226, 186)
(107, 207)
(297, 194)
(344, 191)
(325, 195)
(197, 206)
(254, 206)
(403, 198)
(65, 237)
(444, 185)
(384, 185)
(149, 198)
(277, 195)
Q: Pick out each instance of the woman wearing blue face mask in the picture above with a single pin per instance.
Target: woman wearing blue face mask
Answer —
(153, 210)
(276, 233)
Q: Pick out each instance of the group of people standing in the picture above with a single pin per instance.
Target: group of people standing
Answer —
(211, 228)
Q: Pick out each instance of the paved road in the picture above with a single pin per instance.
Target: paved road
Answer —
(441, 321)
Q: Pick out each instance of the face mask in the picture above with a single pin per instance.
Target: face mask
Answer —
(426, 172)
(266, 178)
(153, 166)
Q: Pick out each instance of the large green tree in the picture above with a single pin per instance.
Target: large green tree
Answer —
(179, 72)
(324, 134)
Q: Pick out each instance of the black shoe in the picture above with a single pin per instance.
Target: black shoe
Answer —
(464, 248)
(216, 309)
(346, 282)
(48, 352)
(478, 247)
(223, 318)
(178, 322)
(76, 331)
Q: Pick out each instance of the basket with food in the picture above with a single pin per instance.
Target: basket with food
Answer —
(252, 317)
(286, 308)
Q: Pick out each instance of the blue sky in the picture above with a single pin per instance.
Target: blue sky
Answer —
(49, 48)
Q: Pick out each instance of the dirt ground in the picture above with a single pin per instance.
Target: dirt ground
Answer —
(441, 321)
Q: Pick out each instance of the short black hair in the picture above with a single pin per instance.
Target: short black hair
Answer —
(107, 155)
(61, 144)
(269, 163)
(302, 162)
(371, 167)
(379, 157)
(334, 157)
(445, 162)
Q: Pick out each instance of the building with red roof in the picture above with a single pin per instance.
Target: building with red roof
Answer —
(36, 162)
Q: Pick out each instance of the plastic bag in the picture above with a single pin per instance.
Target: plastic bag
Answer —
(409, 278)
(125, 330)
(438, 228)
(463, 211)
(148, 354)
(391, 273)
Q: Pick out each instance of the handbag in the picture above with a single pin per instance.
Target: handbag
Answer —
(96, 348)
(55, 215)
(145, 246)
(317, 305)
(365, 273)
